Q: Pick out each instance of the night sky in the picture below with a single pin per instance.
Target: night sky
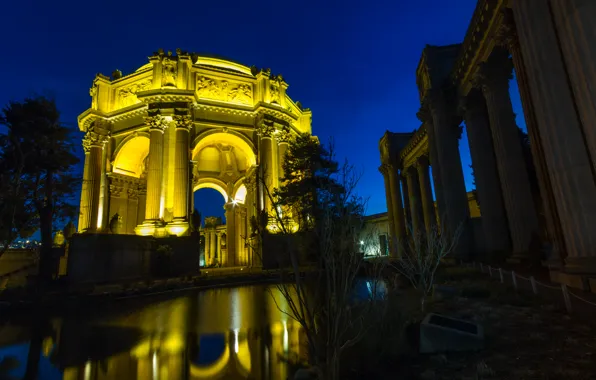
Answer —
(352, 62)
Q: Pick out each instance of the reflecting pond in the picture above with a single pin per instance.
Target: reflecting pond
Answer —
(226, 333)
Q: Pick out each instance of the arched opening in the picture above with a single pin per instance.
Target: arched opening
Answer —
(209, 199)
(131, 157)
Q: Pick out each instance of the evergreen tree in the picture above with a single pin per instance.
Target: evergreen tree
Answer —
(44, 145)
(309, 170)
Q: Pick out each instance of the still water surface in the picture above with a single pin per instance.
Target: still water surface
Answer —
(227, 333)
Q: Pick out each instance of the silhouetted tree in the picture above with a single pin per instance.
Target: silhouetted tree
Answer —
(36, 134)
(195, 220)
(309, 170)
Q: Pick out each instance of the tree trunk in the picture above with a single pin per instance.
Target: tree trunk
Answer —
(46, 213)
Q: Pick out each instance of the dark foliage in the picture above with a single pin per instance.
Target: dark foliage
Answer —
(38, 154)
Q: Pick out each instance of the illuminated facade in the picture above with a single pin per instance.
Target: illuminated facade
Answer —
(180, 123)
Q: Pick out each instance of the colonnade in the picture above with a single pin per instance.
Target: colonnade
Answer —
(539, 41)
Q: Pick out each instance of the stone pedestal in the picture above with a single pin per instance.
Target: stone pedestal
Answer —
(488, 188)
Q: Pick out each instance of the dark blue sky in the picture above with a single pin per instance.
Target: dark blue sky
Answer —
(352, 62)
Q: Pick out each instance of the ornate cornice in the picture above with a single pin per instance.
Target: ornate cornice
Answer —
(418, 136)
(224, 110)
(169, 95)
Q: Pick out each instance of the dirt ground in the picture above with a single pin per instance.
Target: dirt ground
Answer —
(526, 337)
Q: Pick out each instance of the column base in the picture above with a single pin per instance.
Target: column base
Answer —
(178, 227)
(151, 228)
(578, 272)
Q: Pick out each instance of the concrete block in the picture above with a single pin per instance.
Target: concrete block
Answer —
(439, 333)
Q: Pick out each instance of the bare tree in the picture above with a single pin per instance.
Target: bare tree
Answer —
(323, 300)
(421, 255)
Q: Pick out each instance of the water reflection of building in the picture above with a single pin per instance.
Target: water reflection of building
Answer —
(225, 333)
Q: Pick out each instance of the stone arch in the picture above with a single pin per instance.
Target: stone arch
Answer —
(235, 139)
(212, 183)
(129, 156)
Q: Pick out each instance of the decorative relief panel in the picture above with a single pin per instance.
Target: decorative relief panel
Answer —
(127, 95)
(223, 90)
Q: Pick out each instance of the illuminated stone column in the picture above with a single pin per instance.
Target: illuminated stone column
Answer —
(406, 196)
(207, 250)
(181, 189)
(144, 367)
(218, 246)
(488, 188)
(212, 244)
(283, 138)
(508, 37)
(425, 116)
(560, 131)
(93, 144)
(231, 233)
(493, 78)
(384, 169)
(443, 134)
(426, 194)
(266, 162)
(414, 194)
(574, 21)
(243, 236)
(157, 125)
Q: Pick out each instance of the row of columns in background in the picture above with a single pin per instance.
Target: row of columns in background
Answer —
(410, 205)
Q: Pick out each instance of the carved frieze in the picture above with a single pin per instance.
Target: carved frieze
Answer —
(116, 190)
(127, 95)
(223, 90)
(274, 94)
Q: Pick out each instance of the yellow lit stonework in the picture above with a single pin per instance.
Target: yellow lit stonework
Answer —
(180, 123)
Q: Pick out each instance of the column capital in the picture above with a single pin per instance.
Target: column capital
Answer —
(183, 122)
(497, 71)
(385, 169)
(506, 34)
(473, 102)
(283, 135)
(409, 171)
(422, 162)
(156, 123)
(265, 129)
(424, 114)
(94, 139)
